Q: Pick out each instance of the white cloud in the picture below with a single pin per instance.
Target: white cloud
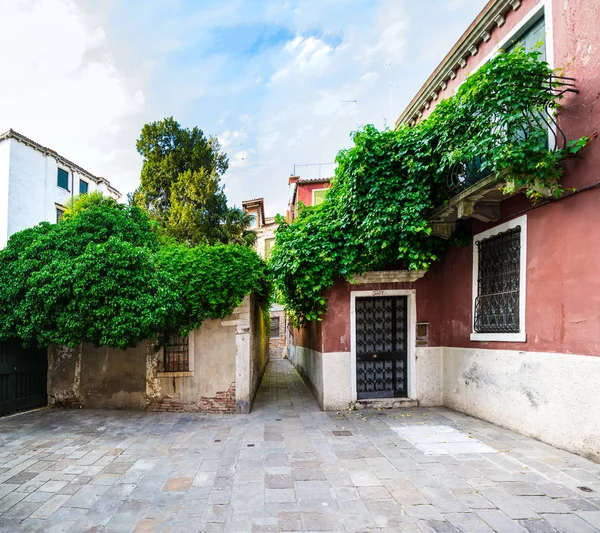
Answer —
(59, 89)
(307, 53)
(83, 77)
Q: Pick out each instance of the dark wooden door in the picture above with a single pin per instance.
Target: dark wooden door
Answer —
(381, 347)
(23, 377)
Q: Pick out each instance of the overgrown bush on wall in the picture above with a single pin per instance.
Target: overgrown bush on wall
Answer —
(101, 276)
(375, 214)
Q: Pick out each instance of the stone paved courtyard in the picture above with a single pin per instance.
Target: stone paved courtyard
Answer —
(286, 467)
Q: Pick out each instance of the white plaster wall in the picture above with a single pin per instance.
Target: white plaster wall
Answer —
(4, 166)
(552, 397)
(429, 378)
(331, 376)
(310, 365)
(32, 191)
(337, 380)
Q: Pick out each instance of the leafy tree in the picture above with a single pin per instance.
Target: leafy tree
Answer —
(169, 151)
(212, 280)
(89, 278)
(181, 188)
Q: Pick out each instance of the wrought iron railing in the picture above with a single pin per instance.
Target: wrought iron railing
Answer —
(541, 117)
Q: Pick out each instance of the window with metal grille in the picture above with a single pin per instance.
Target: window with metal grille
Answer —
(275, 332)
(498, 283)
(59, 213)
(176, 354)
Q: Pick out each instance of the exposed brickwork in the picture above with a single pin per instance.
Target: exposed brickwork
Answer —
(66, 403)
(223, 402)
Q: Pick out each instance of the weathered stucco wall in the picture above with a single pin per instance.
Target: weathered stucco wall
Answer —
(210, 386)
(259, 347)
(64, 376)
(227, 360)
(111, 378)
(562, 282)
(309, 364)
(552, 397)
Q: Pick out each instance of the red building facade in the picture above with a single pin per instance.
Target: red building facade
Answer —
(537, 374)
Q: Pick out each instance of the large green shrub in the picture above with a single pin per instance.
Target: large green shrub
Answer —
(101, 275)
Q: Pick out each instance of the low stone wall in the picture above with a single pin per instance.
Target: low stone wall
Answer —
(227, 360)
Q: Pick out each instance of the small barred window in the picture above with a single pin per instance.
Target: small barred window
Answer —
(176, 354)
(275, 333)
(498, 283)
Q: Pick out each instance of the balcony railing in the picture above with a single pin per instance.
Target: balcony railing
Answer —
(470, 188)
(542, 118)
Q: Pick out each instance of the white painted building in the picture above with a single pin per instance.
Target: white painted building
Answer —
(36, 183)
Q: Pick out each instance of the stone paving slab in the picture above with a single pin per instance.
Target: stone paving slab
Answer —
(286, 467)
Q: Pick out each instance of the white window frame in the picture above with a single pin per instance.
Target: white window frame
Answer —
(317, 190)
(541, 9)
(521, 336)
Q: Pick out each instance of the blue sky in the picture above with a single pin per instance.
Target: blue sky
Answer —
(268, 78)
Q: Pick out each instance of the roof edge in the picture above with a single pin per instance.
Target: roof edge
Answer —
(12, 134)
(491, 17)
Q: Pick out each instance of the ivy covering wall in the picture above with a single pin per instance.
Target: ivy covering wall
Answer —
(375, 214)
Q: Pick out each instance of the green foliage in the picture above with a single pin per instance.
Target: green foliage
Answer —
(375, 214)
(102, 276)
(212, 280)
(181, 187)
(170, 151)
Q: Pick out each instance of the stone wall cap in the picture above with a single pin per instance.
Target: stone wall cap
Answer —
(388, 276)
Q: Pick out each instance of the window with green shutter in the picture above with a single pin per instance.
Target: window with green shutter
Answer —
(62, 179)
(268, 247)
(534, 39)
(319, 196)
(83, 187)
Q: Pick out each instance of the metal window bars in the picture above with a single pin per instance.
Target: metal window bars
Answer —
(540, 118)
(498, 283)
(176, 354)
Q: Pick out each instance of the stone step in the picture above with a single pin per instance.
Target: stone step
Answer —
(386, 403)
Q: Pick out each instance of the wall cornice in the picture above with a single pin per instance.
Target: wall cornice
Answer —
(492, 17)
(388, 276)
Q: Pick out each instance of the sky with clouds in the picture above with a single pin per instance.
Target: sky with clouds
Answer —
(281, 83)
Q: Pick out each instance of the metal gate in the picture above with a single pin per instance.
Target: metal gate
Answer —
(23, 377)
(381, 347)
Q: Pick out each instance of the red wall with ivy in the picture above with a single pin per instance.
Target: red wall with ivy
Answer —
(563, 240)
(305, 190)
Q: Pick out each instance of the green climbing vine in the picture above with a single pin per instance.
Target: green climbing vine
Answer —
(375, 214)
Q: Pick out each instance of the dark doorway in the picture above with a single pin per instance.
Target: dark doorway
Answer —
(381, 347)
(23, 377)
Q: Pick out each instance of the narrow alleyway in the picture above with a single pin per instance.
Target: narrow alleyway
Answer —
(286, 467)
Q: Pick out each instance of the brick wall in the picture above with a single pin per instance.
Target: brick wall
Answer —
(223, 402)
